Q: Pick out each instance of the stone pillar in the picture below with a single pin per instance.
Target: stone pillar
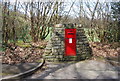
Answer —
(55, 48)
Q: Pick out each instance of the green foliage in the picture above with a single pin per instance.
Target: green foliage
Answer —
(115, 9)
(2, 49)
(101, 35)
(49, 35)
(91, 35)
(24, 35)
(116, 16)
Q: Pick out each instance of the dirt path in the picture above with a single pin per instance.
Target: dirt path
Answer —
(89, 69)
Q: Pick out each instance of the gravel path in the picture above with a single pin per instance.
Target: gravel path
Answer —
(89, 69)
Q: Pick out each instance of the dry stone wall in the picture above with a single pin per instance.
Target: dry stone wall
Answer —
(55, 48)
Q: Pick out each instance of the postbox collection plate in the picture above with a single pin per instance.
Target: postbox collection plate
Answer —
(70, 42)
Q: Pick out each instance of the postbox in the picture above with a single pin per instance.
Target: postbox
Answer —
(70, 42)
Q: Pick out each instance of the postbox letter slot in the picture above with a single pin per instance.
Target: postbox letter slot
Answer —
(70, 40)
(71, 33)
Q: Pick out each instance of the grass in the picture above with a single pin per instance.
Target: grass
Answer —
(5, 74)
(25, 45)
(22, 44)
(39, 61)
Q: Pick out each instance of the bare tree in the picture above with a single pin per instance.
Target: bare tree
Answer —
(14, 26)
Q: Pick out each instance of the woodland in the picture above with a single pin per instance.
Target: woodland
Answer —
(26, 27)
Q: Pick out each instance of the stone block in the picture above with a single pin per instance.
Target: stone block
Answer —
(62, 43)
(56, 60)
(62, 49)
(56, 47)
(48, 48)
(57, 56)
(61, 53)
(56, 42)
(48, 51)
(60, 56)
(54, 51)
(49, 57)
(49, 45)
(59, 29)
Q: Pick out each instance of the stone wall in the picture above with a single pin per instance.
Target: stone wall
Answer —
(55, 48)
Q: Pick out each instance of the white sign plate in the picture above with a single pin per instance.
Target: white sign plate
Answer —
(70, 40)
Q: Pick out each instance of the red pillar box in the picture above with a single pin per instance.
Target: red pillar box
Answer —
(70, 42)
